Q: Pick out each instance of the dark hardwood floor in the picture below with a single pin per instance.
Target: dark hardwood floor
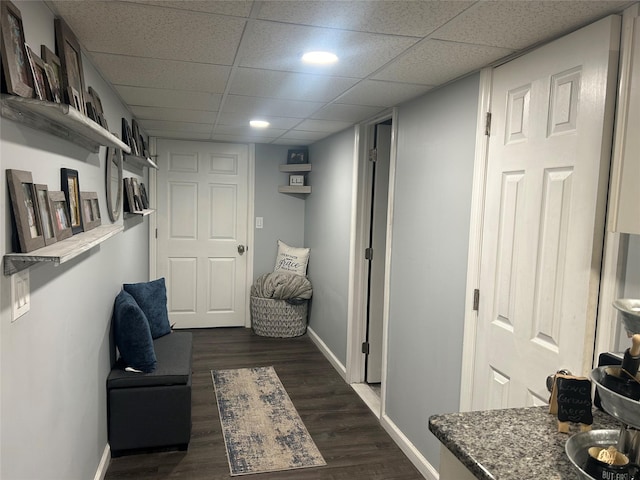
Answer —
(349, 436)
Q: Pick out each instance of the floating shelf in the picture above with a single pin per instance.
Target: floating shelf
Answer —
(139, 162)
(295, 167)
(61, 120)
(140, 213)
(300, 189)
(62, 251)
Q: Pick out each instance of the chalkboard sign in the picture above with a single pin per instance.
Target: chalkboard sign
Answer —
(571, 400)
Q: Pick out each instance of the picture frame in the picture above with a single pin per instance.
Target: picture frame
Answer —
(298, 155)
(54, 72)
(97, 104)
(60, 214)
(40, 82)
(137, 198)
(70, 55)
(135, 134)
(143, 196)
(44, 214)
(24, 205)
(90, 210)
(127, 137)
(70, 185)
(296, 180)
(75, 100)
(15, 62)
(129, 201)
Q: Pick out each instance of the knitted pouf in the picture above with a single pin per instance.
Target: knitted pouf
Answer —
(277, 318)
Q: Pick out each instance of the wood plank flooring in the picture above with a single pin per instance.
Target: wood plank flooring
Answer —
(349, 436)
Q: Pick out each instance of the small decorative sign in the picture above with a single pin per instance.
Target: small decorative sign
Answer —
(296, 180)
(571, 401)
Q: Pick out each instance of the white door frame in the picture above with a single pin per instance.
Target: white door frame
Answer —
(153, 222)
(357, 304)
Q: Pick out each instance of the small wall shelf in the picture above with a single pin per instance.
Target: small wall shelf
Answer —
(140, 213)
(138, 162)
(295, 167)
(62, 251)
(61, 120)
(295, 189)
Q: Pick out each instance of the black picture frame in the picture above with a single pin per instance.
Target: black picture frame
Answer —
(44, 214)
(70, 185)
(15, 61)
(25, 210)
(297, 156)
(70, 53)
(60, 214)
(143, 196)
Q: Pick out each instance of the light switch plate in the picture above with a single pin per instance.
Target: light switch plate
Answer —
(20, 294)
(259, 222)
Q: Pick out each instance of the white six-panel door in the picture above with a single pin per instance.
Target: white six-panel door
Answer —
(202, 229)
(547, 174)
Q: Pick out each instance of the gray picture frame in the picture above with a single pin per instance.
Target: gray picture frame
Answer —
(90, 208)
(24, 206)
(60, 214)
(44, 214)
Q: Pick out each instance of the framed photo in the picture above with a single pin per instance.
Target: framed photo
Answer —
(15, 62)
(71, 188)
(40, 82)
(143, 196)
(44, 214)
(60, 215)
(298, 156)
(97, 104)
(135, 133)
(129, 201)
(54, 72)
(71, 62)
(24, 203)
(127, 137)
(296, 180)
(75, 100)
(90, 210)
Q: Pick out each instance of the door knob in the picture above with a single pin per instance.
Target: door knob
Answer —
(241, 249)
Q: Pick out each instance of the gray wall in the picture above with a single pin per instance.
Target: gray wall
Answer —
(435, 155)
(54, 360)
(328, 231)
(283, 214)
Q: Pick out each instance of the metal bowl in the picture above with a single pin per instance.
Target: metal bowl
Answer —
(577, 446)
(629, 309)
(623, 408)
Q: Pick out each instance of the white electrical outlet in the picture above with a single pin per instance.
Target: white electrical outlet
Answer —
(20, 294)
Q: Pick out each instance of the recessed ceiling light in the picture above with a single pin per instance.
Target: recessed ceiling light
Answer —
(259, 123)
(320, 58)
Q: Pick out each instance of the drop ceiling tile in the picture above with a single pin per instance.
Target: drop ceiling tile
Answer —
(276, 46)
(291, 86)
(169, 74)
(160, 97)
(159, 133)
(434, 62)
(247, 131)
(225, 7)
(241, 139)
(291, 142)
(237, 119)
(398, 17)
(381, 94)
(326, 126)
(270, 106)
(517, 25)
(150, 125)
(347, 113)
(139, 30)
(304, 136)
(173, 114)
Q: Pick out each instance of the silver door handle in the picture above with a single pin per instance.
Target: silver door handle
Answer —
(241, 249)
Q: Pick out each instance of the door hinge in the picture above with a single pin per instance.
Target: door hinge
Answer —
(476, 299)
(373, 155)
(365, 348)
(156, 233)
(368, 253)
(487, 125)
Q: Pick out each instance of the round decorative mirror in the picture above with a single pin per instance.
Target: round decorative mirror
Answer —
(113, 182)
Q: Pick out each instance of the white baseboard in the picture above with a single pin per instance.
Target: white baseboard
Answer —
(341, 369)
(368, 396)
(103, 466)
(409, 449)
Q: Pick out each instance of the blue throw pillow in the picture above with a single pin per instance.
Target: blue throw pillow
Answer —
(132, 334)
(152, 298)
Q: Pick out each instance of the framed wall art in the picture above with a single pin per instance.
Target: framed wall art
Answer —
(71, 187)
(54, 72)
(44, 214)
(24, 204)
(71, 62)
(60, 214)
(298, 156)
(40, 81)
(90, 210)
(15, 62)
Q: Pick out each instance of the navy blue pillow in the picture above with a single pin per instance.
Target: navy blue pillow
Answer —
(152, 298)
(132, 334)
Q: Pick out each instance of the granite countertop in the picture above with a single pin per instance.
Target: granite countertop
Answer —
(511, 444)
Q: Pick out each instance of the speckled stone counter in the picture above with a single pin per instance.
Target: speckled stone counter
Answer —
(511, 444)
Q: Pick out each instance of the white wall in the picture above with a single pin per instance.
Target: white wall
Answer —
(55, 359)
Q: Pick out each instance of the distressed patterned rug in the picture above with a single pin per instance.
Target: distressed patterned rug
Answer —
(262, 429)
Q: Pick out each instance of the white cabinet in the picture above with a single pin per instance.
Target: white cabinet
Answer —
(624, 203)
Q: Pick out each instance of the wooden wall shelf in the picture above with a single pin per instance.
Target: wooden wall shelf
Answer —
(61, 120)
(62, 251)
(295, 167)
(300, 189)
(138, 162)
(141, 213)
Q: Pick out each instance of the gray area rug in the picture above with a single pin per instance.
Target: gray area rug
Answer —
(262, 429)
